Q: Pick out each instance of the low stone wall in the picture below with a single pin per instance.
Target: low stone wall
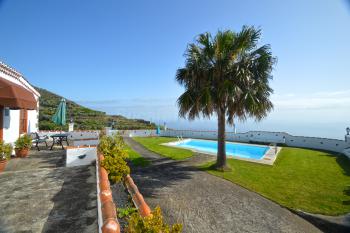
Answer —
(347, 152)
(73, 135)
(78, 156)
(85, 142)
(267, 137)
(78, 137)
(134, 133)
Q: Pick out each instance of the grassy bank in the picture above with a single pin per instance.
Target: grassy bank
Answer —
(136, 158)
(153, 144)
(309, 180)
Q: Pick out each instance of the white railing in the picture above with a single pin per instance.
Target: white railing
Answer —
(266, 137)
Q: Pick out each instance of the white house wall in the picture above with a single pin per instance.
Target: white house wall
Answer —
(33, 117)
(11, 122)
(11, 126)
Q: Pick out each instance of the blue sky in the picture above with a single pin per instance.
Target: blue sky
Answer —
(121, 56)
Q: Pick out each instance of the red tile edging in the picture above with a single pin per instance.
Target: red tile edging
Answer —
(108, 210)
(137, 197)
(109, 221)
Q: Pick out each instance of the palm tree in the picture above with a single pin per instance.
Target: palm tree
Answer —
(227, 75)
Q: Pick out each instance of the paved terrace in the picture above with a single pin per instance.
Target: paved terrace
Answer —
(39, 194)
(205, 203)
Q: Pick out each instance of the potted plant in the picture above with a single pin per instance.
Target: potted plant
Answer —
(22, 146)
(5, 154)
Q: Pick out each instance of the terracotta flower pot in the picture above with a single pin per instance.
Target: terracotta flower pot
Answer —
(22, 153)
(3, 165)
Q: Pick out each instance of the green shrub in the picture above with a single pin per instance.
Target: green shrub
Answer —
(5, 150)
(113, 148)
(23, 142)
(151, 224)
(116, 167)
(125, 212)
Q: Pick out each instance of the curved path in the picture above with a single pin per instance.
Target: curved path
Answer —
(206, 203)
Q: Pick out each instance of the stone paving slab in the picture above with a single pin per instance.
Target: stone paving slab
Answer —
(37, 195)
(204, 203)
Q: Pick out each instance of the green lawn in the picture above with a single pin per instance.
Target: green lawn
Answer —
(153, 144)
(136, 158)
(308, 180)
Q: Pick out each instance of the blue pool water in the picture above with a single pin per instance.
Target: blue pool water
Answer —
(232, 149)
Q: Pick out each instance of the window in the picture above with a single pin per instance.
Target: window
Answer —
(23, 121)
(7, 112)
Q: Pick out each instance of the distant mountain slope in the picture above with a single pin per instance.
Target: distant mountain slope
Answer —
(84, 118)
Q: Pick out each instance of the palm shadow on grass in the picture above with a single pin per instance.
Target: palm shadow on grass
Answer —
(344, 163)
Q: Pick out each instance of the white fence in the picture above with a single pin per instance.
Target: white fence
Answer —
(74, 134)
(134, 133)
(267, 137)
(341, 146)
(79, 138)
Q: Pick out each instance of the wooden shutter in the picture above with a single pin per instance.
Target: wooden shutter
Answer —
(23, 121)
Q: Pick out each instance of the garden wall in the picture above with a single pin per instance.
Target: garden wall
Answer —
(78, 156)
(341, 146)
(133, 133)
(267, 137)
(79, 138)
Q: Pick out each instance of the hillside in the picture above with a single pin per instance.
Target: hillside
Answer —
(84, 118)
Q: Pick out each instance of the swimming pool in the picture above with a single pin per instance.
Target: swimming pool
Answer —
(232, 149)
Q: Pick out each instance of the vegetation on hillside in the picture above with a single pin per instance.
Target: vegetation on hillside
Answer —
(84, 118)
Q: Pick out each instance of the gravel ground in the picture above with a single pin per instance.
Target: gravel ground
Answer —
(204, 203)
(122, 199)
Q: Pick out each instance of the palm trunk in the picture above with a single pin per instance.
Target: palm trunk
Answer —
(221, 156)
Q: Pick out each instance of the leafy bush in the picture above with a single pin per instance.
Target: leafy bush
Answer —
(23, 142)
(151, 224)
(5, 150)
(116, 167)
(113, 148)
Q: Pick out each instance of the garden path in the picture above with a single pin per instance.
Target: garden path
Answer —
(206, 203)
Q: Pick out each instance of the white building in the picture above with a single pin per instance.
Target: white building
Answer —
(19, 105)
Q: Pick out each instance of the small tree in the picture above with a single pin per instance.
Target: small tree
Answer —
(227, 75)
